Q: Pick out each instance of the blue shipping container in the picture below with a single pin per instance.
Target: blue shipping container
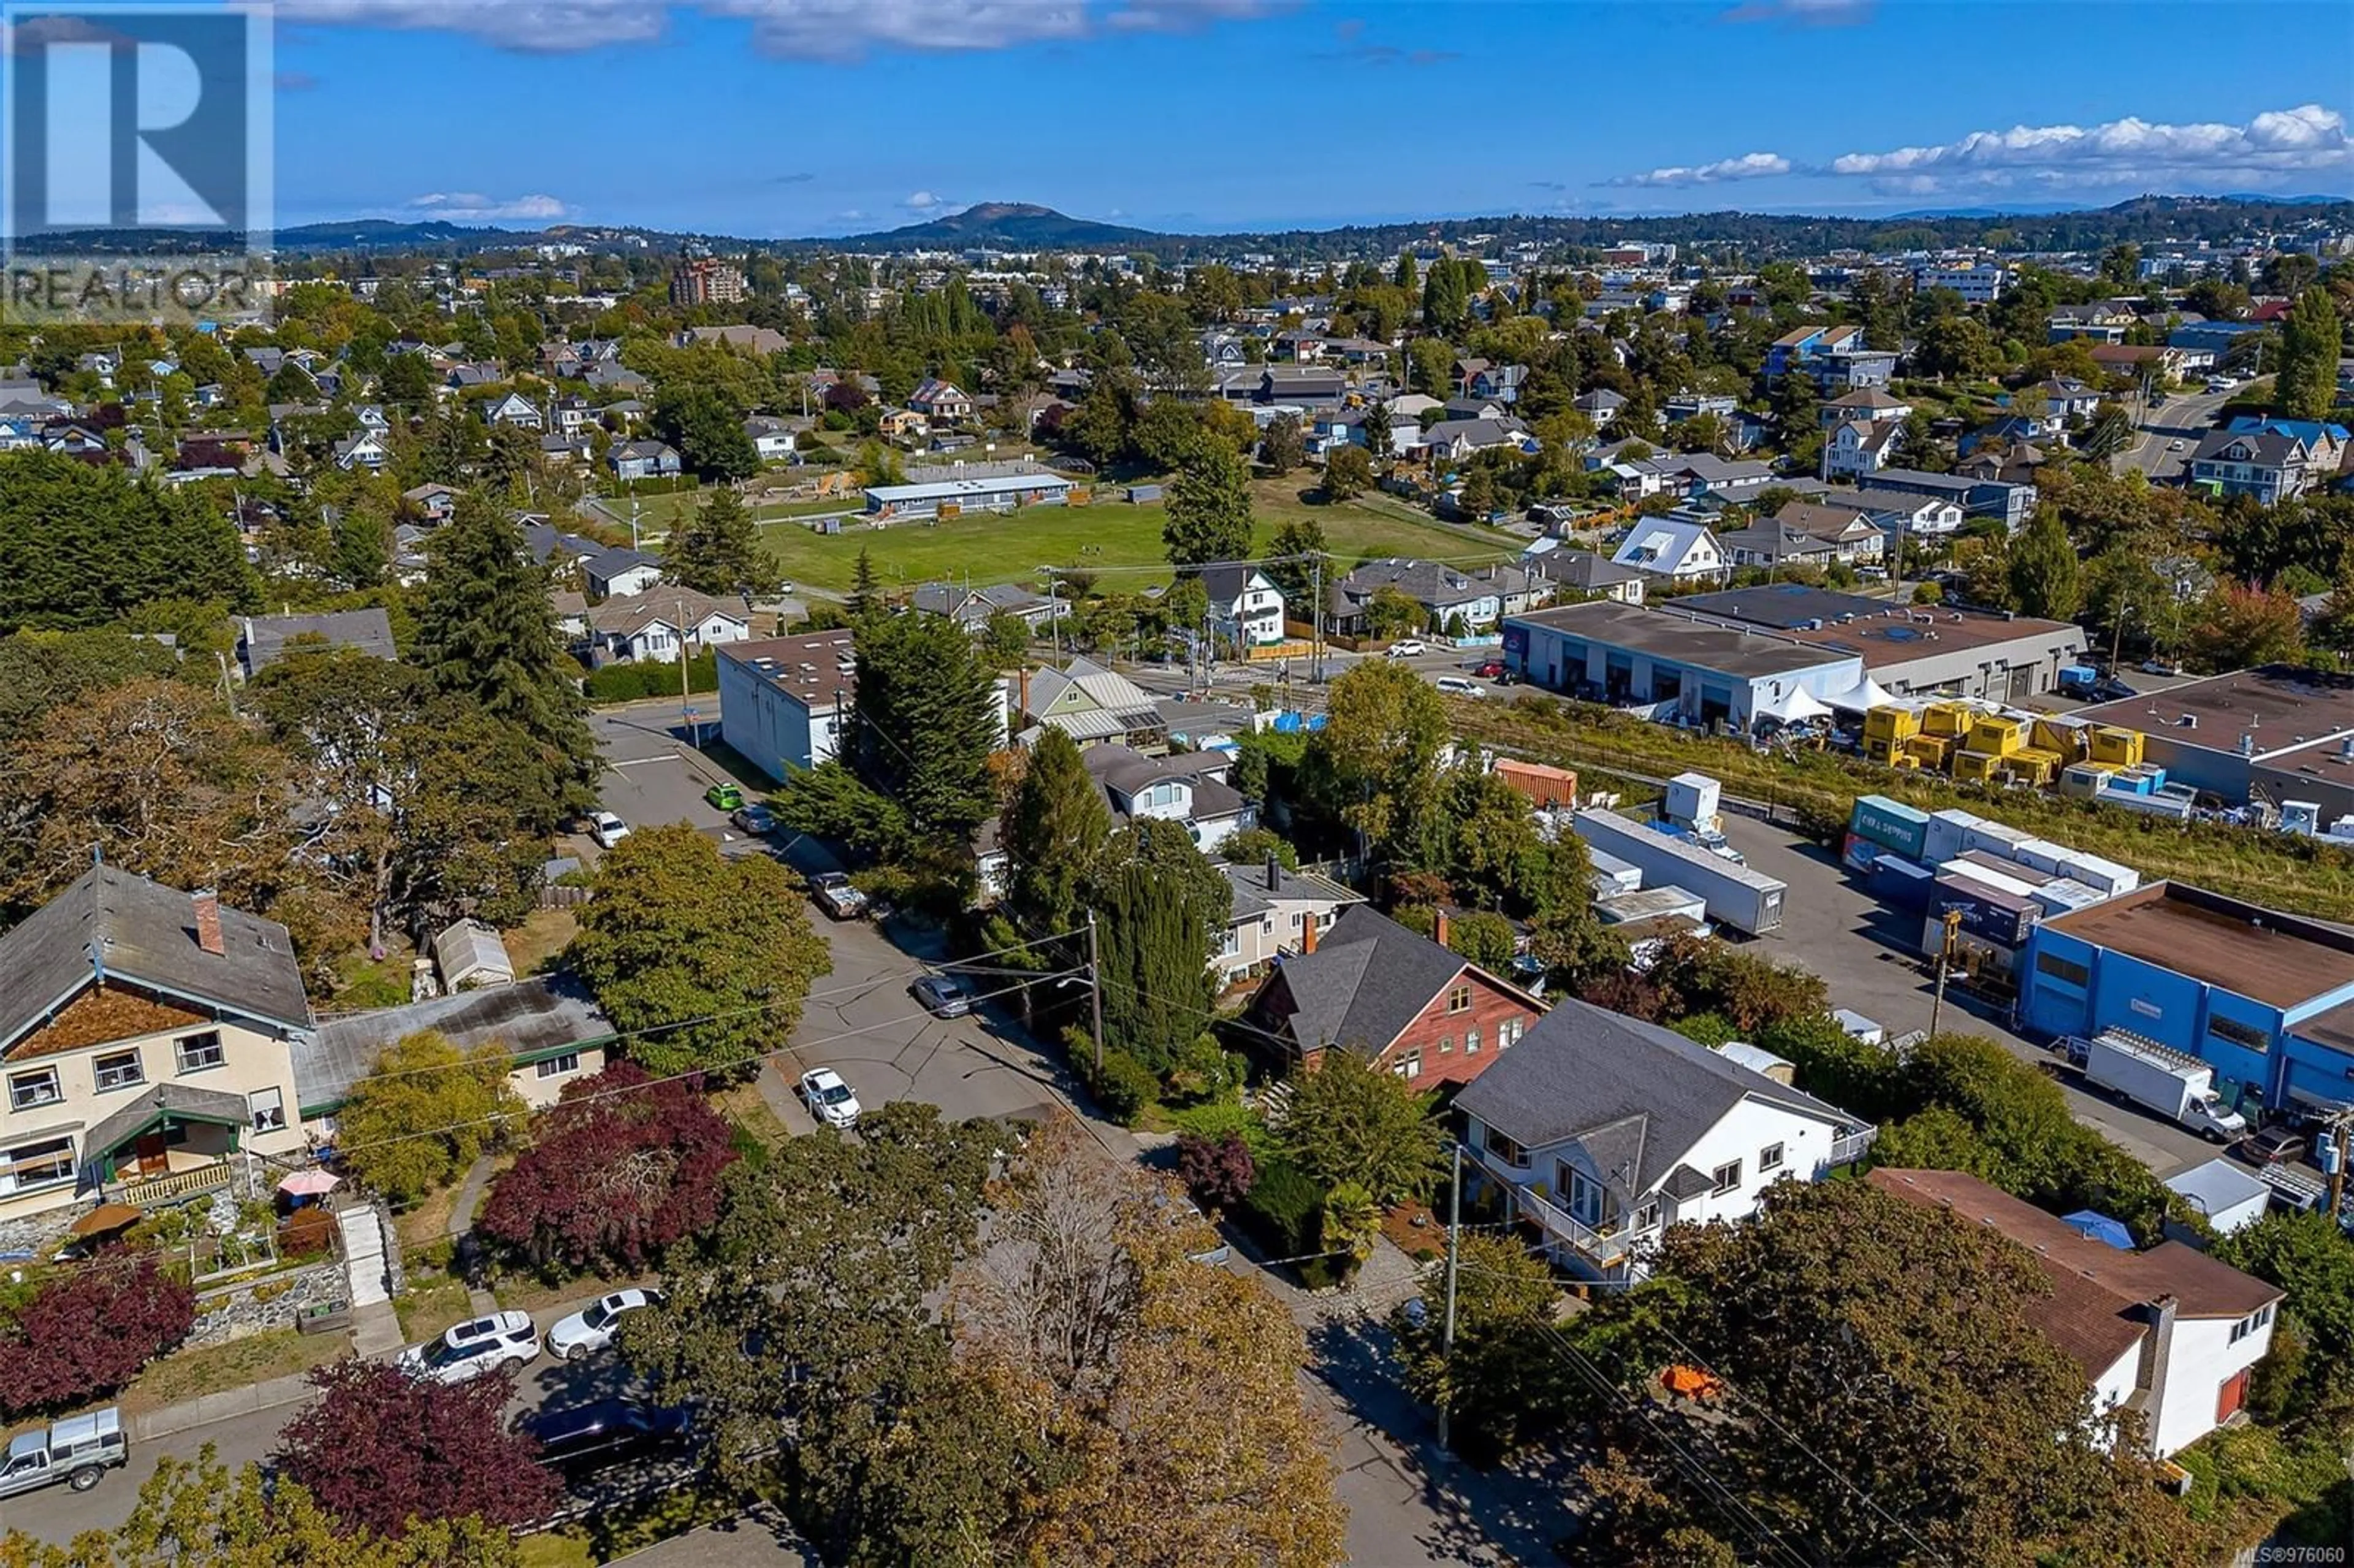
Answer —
(1897, 881)
(1986, 913)
(1890, 824)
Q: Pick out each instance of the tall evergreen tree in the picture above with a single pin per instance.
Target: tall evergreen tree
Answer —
(924, 724)
(1161, 903)
(485, 631)
(2046, 578)
(866, 590)
(717, 550)
(85, 545)
(1297, 579)
(2311, 340)
(1209, 507)
(1052, 832)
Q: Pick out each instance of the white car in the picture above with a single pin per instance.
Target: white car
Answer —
(503, 1342)
(1409, 647)
(1456, 687)
(592, 1328)
(607, 829)
(829, 1098)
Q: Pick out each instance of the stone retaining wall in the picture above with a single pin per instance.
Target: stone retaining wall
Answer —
(232, 1311)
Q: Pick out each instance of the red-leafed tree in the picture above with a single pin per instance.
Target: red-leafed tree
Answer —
(618, 1169)
(380, 1450)
(88, 1333)
(1218, 1171)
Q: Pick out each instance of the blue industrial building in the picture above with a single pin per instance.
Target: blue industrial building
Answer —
(1679, 666)
(2267, 999)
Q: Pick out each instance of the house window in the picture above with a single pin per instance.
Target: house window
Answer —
(1447, 1044)
(2250, 1323)
(268, 1109)
(40, 1087)
(1505, 1149)
(557, 1066)
(198, 1052)
(119, 1071)
(1459, 1000)
(1296, 919)
(1233, 943)
(1769, 1159)
(1471, 1041)
(2061, 968)
(1727, 1180)
(1647, 1218)
(42, 1164)
(1408, 1067)
(1585, 1197)
(1511, 1031)
(2239, 1034)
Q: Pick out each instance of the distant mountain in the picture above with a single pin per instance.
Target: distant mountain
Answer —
(389, 234)
(1014, 226)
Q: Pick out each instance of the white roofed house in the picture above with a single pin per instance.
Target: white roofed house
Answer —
(1245, 605)
(1600, 1131)
(1674, 548)
(1093, 705)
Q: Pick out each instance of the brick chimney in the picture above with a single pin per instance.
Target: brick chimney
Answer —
(208, 929)
(1308, 932)
(1440, 936)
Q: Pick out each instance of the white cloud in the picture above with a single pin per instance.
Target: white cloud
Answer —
(1748, 167)
(795, 29)
(473, 207)
(924, 201)
(1802, 12)
(2306, 139)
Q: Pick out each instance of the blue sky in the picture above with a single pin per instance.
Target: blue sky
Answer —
(797, 117)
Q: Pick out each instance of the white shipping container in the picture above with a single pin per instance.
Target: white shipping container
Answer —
(2060, 897)
(2040, 853)
(1984, 875)
(2106, 874)
(1947, 831)
(1693, 799)
(1997, 839)
(1613, 874)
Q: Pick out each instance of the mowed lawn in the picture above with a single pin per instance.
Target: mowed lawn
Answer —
(1113, 538)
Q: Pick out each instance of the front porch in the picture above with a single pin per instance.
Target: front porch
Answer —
(172, 1143)
(1606, 1248)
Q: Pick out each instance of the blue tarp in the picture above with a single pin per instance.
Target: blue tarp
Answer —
(2095, 1226)
(1293, 722)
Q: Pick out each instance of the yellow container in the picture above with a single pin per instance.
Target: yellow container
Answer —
(2034, 764)
(2065, 740)
(1997, 736)
(2116, 747)
(1949, 719)
(1930, 751)
(1976, 767)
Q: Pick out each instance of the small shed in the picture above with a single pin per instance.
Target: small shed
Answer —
(1142, 493)
(471, 956)
(2229, 1197)
(1758, 1060)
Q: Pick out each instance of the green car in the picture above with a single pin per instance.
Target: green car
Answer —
(724, 797)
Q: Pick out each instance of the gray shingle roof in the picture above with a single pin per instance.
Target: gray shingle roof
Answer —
(1637, 1096)
(144, 932)
(266, 636)
(1367, 979)
(526, 1018)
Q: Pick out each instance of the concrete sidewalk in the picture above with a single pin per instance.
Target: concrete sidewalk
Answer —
(207, 1408)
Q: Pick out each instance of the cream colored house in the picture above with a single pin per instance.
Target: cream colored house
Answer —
(552, 1031)
(146, 1036)
(1275, 913)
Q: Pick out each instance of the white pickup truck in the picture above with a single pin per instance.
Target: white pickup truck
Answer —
(77, 1451)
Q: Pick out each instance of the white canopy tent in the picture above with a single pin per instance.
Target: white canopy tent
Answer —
(1861, 699)
(1795, 707)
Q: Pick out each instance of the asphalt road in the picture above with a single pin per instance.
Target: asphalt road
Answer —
(2186, 419)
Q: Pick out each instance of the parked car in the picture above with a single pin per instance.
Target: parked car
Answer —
(2176, 446)
(592, 1328)
(1408, 647)
(502, 1341)
(607, 829)
(2272, 1146)
(79, 1451)
(837, 896)
(942, 997)
(724, 797)
(589, 1437)
(828, 1097)
(756, 819)
(1456, 687)
(2159, 667)
(1493, 670)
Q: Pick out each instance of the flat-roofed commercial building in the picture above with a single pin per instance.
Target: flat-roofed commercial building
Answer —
(1909, 649)
(974, 487)
(2280, 732)
(1701, 671)
(2267, 999)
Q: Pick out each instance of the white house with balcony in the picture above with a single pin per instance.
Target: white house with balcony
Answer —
(1190, 787)
(1600, 1131)
(1244, 606)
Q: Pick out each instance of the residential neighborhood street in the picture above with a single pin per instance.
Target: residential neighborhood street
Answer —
(2187, 420)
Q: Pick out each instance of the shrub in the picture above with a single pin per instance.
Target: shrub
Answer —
(1284, 1210)
(1124, 1087)
(381, 1451)
(87, 1333)
(420, 1118)
(306, 1232)
(647, 678)
(621, 1168)
(1218, 1171)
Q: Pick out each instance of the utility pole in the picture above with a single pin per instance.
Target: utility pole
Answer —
(633, 519)
(1095, 988)
(1953, 920)
(1316, 620)
(1446, 1329)
(685, 695)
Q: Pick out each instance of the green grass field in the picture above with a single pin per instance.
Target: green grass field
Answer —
(1114, 538)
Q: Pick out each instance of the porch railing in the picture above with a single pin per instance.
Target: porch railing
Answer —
(1604, 1249)
(179, 1184)
(1849, 1148)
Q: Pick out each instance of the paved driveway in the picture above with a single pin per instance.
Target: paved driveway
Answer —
(653, 775)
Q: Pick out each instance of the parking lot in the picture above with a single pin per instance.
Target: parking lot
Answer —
(1869, 955)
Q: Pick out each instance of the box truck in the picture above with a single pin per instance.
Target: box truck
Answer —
(1735, 895)
(2178, 1088)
